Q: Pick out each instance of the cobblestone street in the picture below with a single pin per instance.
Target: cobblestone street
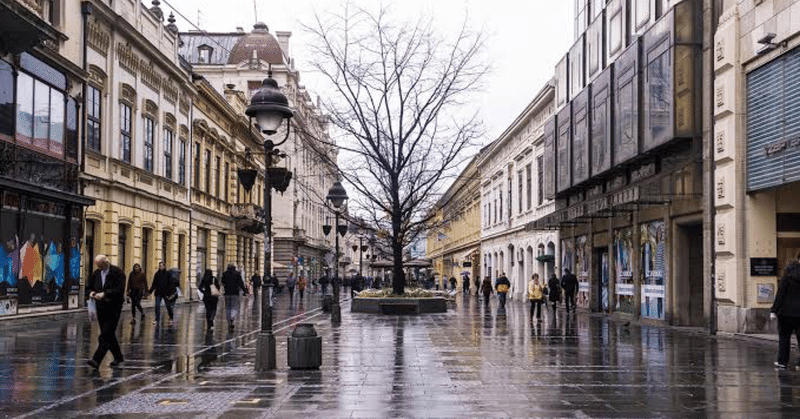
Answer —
(474, 361)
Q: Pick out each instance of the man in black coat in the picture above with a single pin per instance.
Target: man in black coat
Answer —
(165, 289)
(569, 282)
(786, 308)
(106, 287)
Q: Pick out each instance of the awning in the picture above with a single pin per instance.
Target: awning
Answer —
(468, 254)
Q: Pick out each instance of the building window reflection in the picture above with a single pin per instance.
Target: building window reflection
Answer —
(93, 118)
(168, 153)
(149, 134)
(125, 131)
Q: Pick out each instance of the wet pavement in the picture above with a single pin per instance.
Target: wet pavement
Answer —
(474, 361)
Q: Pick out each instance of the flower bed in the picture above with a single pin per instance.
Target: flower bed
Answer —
(414, 301)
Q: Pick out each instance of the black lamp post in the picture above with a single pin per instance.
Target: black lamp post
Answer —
(337, 197)
(269, 107)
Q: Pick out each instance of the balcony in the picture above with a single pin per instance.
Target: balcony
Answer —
(248, 217)
(24, 26)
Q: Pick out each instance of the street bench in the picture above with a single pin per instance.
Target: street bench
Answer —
(399, 308)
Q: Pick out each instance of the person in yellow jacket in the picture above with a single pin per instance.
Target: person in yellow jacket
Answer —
(536, 295)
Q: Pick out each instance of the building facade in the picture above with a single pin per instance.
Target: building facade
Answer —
(239, 61)
(627, 142)
(41, 202)
(454, 245)
(756, 226)
(512, 187)
(139, 101)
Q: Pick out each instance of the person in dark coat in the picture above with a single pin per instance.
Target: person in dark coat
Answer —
(233, 283)
(137, 287)
(503, 285)
(465, 283)
(554, 291)
(107, 287)
(163, 287)
(453, 283)
(786, 309)
(569, 282)
(210, 300)
(256, 281)
(486, 289)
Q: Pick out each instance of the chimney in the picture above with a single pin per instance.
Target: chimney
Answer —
(283, 41)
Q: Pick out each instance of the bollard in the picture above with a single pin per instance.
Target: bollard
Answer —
(327, 302)
(305, 348)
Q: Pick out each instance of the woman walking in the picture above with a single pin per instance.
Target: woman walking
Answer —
(486, 289)
(210, 297)
(290, 283)
(137, 287)
(536, 293)
(301, 287)
(555, 290)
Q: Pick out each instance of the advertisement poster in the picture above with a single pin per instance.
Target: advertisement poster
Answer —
(623, 249)
(604, 281)
(653, 290)
(582, 270)
(567, 256)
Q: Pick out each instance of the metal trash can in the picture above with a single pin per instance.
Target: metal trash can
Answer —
(305, 348)
(327, 303)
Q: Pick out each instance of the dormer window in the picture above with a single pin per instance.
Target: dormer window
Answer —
(204, 54)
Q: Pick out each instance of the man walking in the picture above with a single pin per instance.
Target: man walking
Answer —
(502, 286)
(106, 287)
(232, 281)
(163, 287)
(786, 309)
(255, 280)
(569, 282)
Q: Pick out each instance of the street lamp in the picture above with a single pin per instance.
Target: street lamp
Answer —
(269, 106)
(337, 197)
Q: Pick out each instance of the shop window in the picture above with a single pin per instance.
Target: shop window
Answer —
(168, 135)
(125, 131)
(93, 118)
(91, 234)
(6, 101)
(149, 137)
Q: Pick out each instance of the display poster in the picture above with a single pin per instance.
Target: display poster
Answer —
(582, 270)
(604, 278)
(653, 290)
(623, 249)
(567, 256)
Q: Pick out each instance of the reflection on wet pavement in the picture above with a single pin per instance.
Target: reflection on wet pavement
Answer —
(474, 361)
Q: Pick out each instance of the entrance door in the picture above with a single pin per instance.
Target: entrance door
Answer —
(688, 276)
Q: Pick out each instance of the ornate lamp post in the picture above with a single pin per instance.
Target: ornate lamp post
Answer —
(337, 197)
(270, 108)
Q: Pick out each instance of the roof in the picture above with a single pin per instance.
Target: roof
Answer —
(233, 47)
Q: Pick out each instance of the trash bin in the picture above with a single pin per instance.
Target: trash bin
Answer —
(327, 303)
(305, 348)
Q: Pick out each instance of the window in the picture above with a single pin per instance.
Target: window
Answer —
(519, 190)
(530, 184)
(125, 131)
(6, 101)
(166, 248)
(207, 163)
(500, 198)
(202, 250)
(494, 201)
(40, 115)
(182, 163)
(197, 165)
(168, 153)
(539, 180)
(147, 235)
(226, 180)
(122, 245)
(204, 54)
(216, 176)
(93, 109)
(149, 135)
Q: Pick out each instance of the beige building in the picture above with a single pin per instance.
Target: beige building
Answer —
(511, 173)
(756, 229)
(239, 61)
(139, 100)
(453, 246)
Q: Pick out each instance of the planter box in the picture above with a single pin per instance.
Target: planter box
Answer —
(399, 305)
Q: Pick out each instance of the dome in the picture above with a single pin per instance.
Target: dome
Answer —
(261, 41)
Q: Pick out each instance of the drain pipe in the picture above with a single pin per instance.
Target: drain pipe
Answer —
(712, 321)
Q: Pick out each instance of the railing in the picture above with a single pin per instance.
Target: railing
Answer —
(250, 211)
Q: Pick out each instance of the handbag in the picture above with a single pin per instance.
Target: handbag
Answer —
(214, 290)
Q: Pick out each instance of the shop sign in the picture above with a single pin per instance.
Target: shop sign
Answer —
(624, 289)
(763, 266)
(583, 287)
(656, 291)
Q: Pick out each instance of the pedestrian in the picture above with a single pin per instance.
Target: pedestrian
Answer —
(233, 283)
(255, 280)
(301, 287)
(137, 287)
(502, 286)
(323, 282)
(106, 287)
(554, 290)
(209, 286)
(291, 281)
(536, 294)
(465, 282)
(453, 283)
(570, 284)
(786, 309)
(276, 285)
(163, 287)
(486, 289)
(477, 287)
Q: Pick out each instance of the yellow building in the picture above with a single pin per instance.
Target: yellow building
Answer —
(453, 245)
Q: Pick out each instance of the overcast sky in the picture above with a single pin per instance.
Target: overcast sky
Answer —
(526, 38)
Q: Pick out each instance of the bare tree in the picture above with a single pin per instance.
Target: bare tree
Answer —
(401, 90)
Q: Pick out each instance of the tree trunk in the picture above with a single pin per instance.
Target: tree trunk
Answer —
(399, 277)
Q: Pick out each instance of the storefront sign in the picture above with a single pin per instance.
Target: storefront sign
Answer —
(654, 291)
(763, 266)
(784, 144)
(583, 287)
(624, 289)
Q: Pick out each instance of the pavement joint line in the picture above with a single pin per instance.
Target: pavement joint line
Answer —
(152, 369)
